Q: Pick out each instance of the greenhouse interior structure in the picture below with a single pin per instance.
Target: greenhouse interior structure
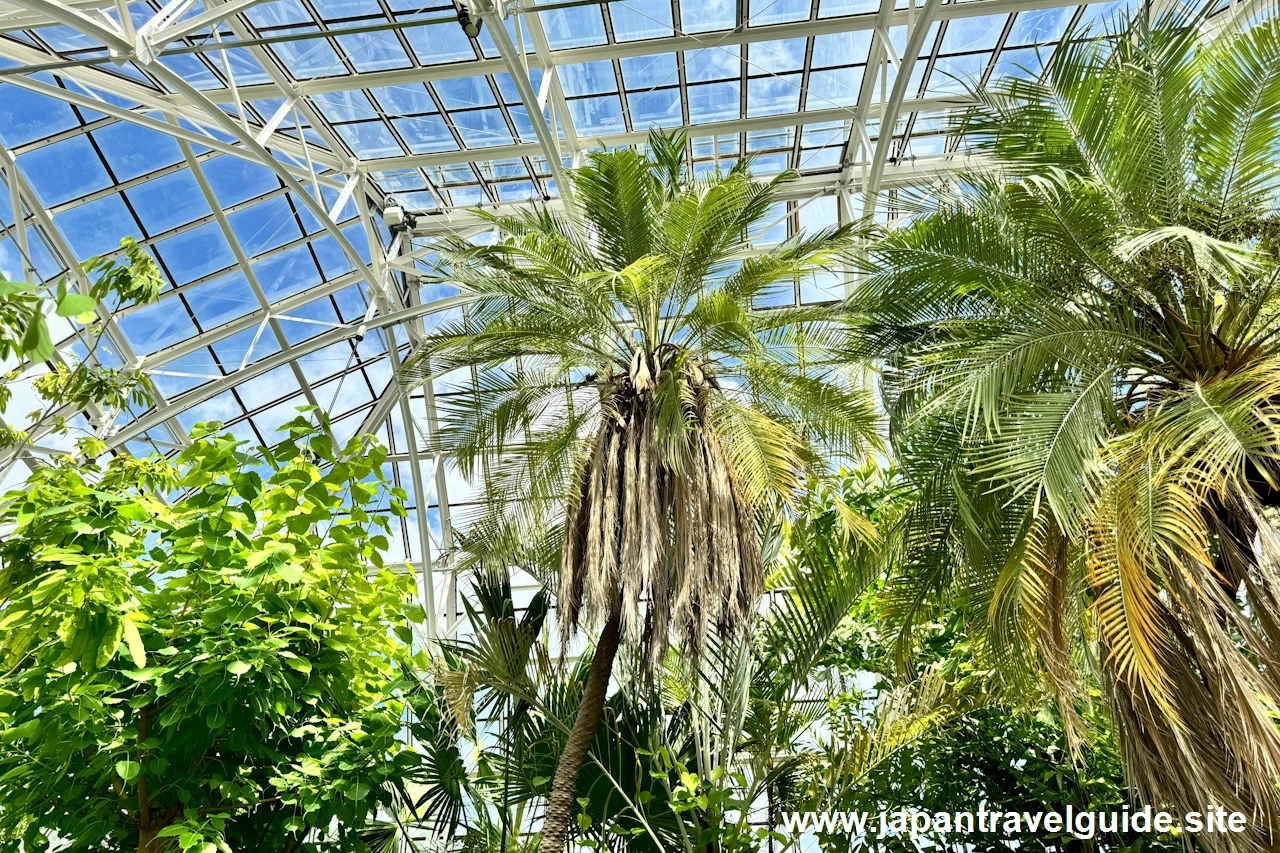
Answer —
(639, 425)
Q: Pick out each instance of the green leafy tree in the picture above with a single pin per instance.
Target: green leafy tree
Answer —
(1082, 371)
(132, 279)
(627, 386)
(223, 669)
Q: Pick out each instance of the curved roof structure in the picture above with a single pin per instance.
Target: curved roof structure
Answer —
(251, 146)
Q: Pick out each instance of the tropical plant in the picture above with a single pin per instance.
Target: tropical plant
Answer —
(132, 279)
(210, 671)
(676, 763)
(1083, 374)
(629, 394)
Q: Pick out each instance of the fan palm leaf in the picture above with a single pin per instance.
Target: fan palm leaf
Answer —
(631, 395)
(1082, 383)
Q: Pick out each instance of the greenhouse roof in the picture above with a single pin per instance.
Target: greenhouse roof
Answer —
(252, 146)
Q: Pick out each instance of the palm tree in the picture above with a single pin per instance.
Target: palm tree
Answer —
(1083, 379)
(628, 391)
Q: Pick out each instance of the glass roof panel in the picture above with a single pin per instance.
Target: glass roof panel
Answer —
(420, 110)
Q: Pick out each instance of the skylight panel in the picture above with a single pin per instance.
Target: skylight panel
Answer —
(839, 8)
(598, 115)
(269, 421)
(459, 173)
(337, 9)
(490, 50)
(234, 180)
(712, 63)
(374, 51)
(351, 303)
(841, 48)
(714, 102)
(426, 135)
(1098, 16)
(167, 202)
(1025, 63)
(307, 321)
(191, 254)
(460, 93)
(349, 105)
(95, 228)
(267, 388)
(633, 21)
(700, 16)
(192, 70)
(26, 116)
(405, 99)
(497, 170)
(278, 13)
(834, 87)
(345, 394)
(524, 125)
(153, 327)
(221, 300)
(333, 261)
(820, 158)
(587, 78)
(957, 75)
(182, 374)
(482, 128)
(971, 34)
(64, 39)
(656, 108)
(245, 70)
(400, 180)
(244, 347)
(776, 11)
(773, 95)
(64, 170)
(1040, 26)
(369, 140)
(292, 271)
(517, 191)
(777, 56)
(221, 408)
(436, 44)
(326, 362)
(576, 26)
(507, 87)
(642, 72)
(309, 58)
(264, 226)
(766, 140)
(467, 196)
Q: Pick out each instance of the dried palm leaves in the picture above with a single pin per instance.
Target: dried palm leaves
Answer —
(672, 536)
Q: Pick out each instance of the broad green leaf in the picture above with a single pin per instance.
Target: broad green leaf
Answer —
(137, 652)
(239, 667)
(36, 343)
(289, 572)
(75, 304)
(300, 664)
(128, 770)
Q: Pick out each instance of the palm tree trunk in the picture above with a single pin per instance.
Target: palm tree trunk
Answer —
(555, 823)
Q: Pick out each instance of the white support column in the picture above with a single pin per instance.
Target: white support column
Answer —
(514, 63)
(889, 116)
(94, 27)
(242, 260)
(160, 31)
(95, 80)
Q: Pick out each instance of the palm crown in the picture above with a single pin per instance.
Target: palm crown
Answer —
(1083, 380)
(630, 397)
(628, 385)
